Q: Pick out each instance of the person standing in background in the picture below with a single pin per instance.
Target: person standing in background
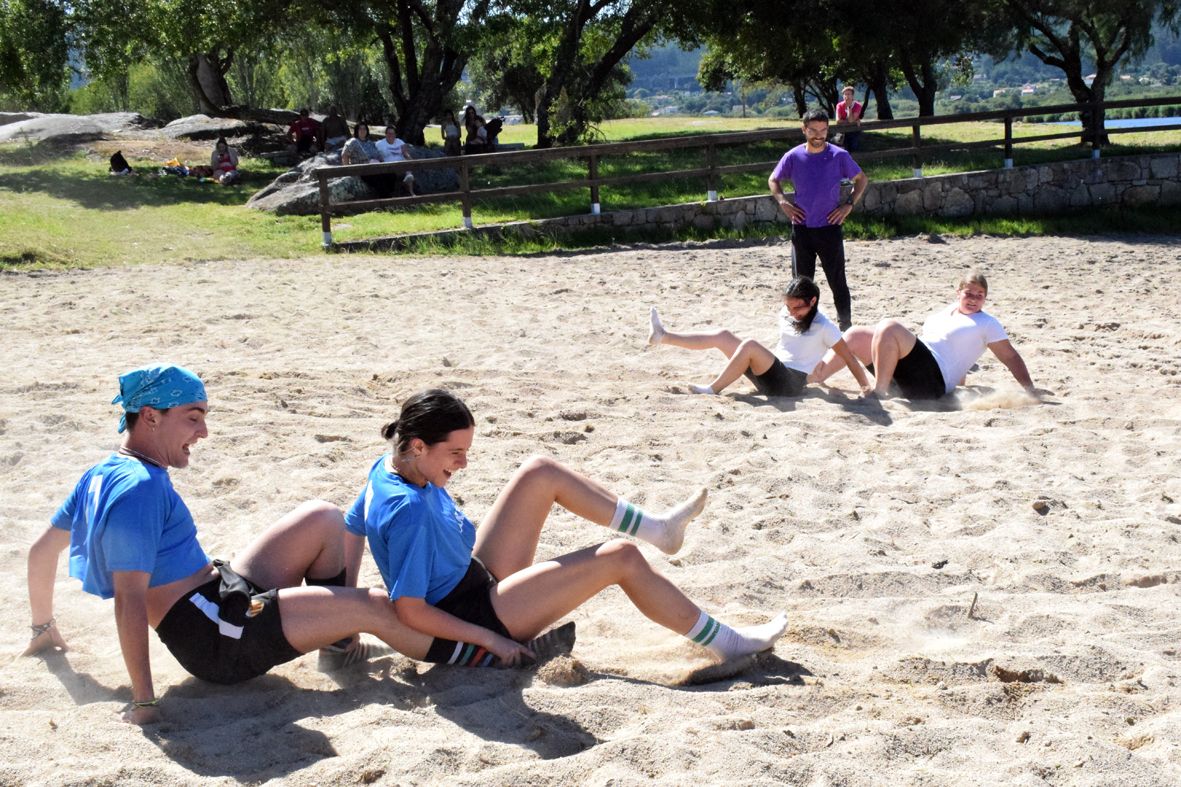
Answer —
(816, 170)
(850, 111)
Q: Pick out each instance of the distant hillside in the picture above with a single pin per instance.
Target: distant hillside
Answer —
(669, 67)
(666, 68)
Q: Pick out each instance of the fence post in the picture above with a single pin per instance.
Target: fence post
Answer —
(916, 140)
(1008, 141)
(325, 214)
(465, 187)
(711, 183)
(592, 174)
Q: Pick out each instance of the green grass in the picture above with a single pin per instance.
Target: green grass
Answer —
(68, 212)
(63, 210)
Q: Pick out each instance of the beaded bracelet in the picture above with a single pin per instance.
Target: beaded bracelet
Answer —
(41, 628)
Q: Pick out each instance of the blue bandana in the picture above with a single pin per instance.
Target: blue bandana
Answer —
(160, 387)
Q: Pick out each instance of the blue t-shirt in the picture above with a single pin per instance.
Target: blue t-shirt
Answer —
(420, 541)
(816, 179)
(124, 515)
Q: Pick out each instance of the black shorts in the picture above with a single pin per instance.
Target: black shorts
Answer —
(917, 375)
(779, 380)
(471, 599)
(217, 651)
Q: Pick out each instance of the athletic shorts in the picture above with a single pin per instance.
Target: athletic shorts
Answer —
(217, 651)
(917, 375)
(471, 599)
(779, 380)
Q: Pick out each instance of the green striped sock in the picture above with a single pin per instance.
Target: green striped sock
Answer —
(729, 643)
(704, 630)
(627, 518)
(665, 531)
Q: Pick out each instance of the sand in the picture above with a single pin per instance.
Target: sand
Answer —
(980, 592)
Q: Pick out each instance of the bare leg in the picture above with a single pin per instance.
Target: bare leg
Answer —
(314, 617)
(723, 341)
(506, 540)
(891, 342)
(749, 355)
(307, 542)
(530, 600)
(860, 341)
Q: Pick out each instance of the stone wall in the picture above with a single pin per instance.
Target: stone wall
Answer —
(1043, 188)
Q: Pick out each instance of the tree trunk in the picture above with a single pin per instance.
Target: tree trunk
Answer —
(800, 97)
(418, 89)
(1093, 122)
(922, 82)
(879, 85)
(207, 81)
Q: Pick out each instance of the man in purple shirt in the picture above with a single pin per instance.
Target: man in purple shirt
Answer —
(816, 170)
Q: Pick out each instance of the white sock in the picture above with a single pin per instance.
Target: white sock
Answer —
(729, 643)
(656, 334)
(664, 531)
(702, 389)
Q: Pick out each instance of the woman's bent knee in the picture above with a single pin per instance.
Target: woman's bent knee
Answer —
(625, 554)
(320, 511)
(539, 465)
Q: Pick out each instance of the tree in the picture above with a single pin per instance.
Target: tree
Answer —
(34, 54)
(202, 34)
(760, 41)
(922, 34)
(425, 46)
(508, 71)
(591, 39)
(1069, 34)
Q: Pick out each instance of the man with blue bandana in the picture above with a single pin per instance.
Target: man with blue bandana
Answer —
(131, 537)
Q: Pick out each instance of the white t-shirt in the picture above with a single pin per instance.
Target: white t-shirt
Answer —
(391, 152)
(957, 340)
(802, 351)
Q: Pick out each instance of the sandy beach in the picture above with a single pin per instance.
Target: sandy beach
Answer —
(943, 630)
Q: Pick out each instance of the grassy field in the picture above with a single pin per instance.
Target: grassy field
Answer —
(58, 208)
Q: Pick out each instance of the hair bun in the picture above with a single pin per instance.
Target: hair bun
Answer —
(389, 430)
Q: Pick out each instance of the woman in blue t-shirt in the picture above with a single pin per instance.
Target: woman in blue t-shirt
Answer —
(805, 334)
(132, 538)
(449, 579)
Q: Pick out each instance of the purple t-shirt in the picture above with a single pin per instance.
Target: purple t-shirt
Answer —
(816, 179)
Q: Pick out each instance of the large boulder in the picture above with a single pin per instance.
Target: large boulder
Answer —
(205, 127)
(16, 117)
(75, 128)
(297, 191)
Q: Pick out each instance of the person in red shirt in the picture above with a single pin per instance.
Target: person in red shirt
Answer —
(304, 133)
(849, 111)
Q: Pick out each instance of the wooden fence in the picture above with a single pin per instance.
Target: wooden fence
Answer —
(710, 171)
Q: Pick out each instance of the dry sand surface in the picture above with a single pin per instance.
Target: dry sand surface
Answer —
(875, 526)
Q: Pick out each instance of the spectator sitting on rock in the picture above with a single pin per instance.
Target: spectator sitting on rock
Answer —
(304, 134)
(392, 150)
(477, 134)
(360, 149)
(336, 129)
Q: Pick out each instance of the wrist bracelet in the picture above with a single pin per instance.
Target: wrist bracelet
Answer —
(146, 703)
(41, 628)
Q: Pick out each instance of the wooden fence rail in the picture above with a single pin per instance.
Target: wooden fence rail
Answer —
(712, 171)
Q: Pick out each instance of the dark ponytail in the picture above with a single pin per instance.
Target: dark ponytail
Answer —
(430, 416)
